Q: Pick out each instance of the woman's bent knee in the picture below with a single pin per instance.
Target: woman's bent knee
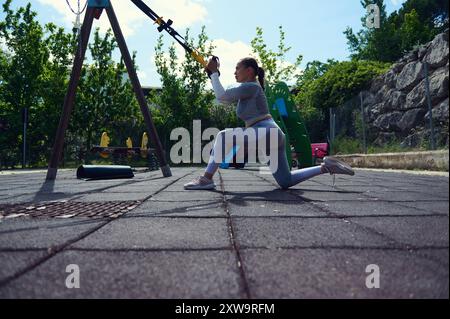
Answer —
(284, 183)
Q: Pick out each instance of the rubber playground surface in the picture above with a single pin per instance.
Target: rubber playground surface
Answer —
(148, 238)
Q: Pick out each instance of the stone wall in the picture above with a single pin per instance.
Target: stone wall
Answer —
(396, 105)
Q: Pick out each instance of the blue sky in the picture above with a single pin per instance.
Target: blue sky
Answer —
(313, 29)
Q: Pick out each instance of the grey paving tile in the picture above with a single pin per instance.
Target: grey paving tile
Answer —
(133, 275)
(303, 232)
(233, 189)
(404, 196)
(439, 255)
(328, 195)
(254, 194)
(324, 273)
(26, 233)
(415, 231)
(178, 209)
(276, 209)
(36, 198)
(370, 208)
(160, 233)
(188, 196)
(14, 261)
(135, 189)
(440, 207)
(112, 197)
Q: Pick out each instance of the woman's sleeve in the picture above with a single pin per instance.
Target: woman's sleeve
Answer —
(231, 95)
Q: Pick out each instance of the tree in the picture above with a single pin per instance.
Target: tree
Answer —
(274, 63)
(313, 115)
(34, 73)
(183, 97)
(374, 44)
(329, 85)
(54, 83)
(432, 14)
(341, 82)
(412, 31)
(417, 22)
(105, 100)
(21, 75)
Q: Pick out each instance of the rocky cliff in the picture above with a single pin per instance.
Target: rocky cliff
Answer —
(396, 105)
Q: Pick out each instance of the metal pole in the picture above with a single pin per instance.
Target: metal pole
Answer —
(24, 152)
(165, 168)
(70, 95)
(331, 125)
(430, 108)
(363, 125)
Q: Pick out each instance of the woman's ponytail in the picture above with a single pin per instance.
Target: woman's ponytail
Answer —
(261, 77)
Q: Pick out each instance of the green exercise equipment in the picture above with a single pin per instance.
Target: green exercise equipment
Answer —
(283, 110)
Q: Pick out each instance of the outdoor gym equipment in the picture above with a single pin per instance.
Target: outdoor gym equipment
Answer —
(167, 26)
(94, 10)
(282, 108)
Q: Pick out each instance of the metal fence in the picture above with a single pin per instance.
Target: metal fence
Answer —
(350, 130)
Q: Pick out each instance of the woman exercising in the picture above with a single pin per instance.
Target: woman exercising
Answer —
(252, 108)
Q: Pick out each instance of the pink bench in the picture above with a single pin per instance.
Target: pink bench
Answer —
(319, 151)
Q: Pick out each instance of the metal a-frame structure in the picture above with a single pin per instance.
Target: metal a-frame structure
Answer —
(93, 11)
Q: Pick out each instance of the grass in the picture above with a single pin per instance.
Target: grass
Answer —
(345, 146)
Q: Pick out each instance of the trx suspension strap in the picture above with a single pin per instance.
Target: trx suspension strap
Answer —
(167, 26)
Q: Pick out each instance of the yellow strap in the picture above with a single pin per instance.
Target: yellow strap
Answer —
(199, 58)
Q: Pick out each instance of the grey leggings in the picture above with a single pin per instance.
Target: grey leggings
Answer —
(267, 132)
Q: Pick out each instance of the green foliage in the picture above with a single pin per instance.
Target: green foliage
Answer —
(274, 63)
(184, 97)
(22, 69)
(417, 22)
(394, 146)
(105, 100)
(328, 85)
(313, 116)
(341, 82)
(34, 74)
(346, 145)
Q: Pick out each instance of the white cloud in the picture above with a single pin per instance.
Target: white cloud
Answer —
(142, 75)
(396, 2)
(229, 53)
(184, 12)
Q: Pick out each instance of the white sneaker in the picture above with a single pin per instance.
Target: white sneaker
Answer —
(334, 166)
(200, 183)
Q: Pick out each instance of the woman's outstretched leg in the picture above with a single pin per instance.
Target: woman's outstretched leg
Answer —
(283, 175)
(287, 178)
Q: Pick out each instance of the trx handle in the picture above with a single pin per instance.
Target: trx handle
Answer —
(208, 71)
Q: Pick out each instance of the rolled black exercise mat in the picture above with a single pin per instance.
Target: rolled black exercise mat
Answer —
(104, 172)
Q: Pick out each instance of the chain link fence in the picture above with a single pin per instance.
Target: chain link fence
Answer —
(353, 127)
